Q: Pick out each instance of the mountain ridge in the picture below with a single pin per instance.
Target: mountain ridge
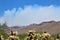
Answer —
(49, 26)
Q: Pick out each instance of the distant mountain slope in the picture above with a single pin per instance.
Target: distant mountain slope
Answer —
(50, 26)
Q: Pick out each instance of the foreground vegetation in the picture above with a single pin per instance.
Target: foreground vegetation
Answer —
(21, 36)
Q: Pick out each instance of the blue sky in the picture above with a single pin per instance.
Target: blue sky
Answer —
(9, 4)
(15, 10)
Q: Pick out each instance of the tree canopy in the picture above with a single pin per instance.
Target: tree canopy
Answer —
(4, 25)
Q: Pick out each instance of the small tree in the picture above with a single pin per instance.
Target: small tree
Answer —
(4, 25)
(0, 24)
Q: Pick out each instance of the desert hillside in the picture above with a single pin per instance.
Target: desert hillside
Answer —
(50, 26)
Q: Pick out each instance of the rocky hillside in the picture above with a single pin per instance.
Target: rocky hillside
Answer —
(50, 26)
